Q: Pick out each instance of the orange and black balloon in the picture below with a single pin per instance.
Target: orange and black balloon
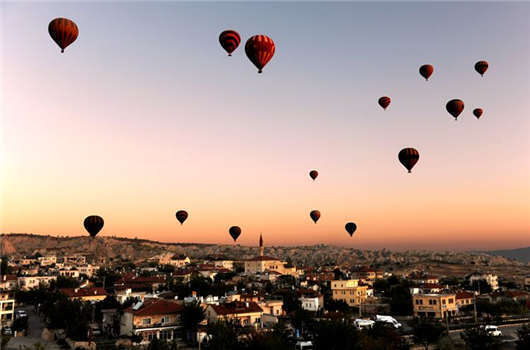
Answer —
(350, 228)
(313, 174)
(315, 215)
(426, 71)
(409, 157)
(259, 50)
(229, 40)
(63, 31)
(477, 112)
(481, 67)
(384, 101)
(235, 232)
(181, 215)
(455, 107)
(93, 224)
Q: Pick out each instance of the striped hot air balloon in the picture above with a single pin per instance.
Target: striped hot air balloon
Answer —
(63, 31)
(384, 101)
(409, 157)
(259, 50)
(229, 40)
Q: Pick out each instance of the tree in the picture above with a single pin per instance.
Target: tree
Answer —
(335, 335)
(64, 282)
(523, 337)
(478, 339)
(427, 333)
(221, 336)
(192, 315)
(401, 300)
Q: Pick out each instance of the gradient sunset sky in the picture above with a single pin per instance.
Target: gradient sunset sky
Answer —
(145, 114)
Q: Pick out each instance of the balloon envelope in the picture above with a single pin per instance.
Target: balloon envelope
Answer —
(259, 50)
(235, 231)
(409, 157)
(313, 174)
(384, 101)
(481, 67)
(229, 40)
(350, 228)
(181, 215)
(455, 107)
(426, 71)
(315, 215)
(93, 224)
(477, 112)
(63, 31)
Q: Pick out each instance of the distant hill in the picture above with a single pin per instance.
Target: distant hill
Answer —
(521, 254)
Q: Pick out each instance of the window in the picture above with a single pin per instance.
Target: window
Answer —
(146, 321)
(443, 301)
(163, 320)
(450, 300)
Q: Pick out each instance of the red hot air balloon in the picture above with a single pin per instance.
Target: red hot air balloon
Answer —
(229, 40)
(259, 50)
(481, 67)
(408, 157)
(63, 31)
(350, 228)
(384, 101)
(313, 174)
(315, 215)
(181, 215)
(235, 231)
(477, 112)
(93, 224)
(455, 107)
(426, 71)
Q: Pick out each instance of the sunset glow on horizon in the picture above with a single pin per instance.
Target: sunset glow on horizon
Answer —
(144, 114)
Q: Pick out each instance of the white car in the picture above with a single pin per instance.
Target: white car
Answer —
(304, 345)
(388, 319)
(363, 324)
(493, 330)
(21, 313)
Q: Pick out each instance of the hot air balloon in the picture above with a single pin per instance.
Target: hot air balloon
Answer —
(93, 224)
(313, 174)
(350, 228)
(481, 67)
(455, 107)
(181, 215)
(229, 40)
(315, 215)
(477, 112)
(63, 31)
(408, 157)
(384, 101)
(235, 231)
(426, 71)
(259, 50)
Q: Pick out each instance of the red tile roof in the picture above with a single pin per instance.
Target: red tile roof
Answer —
(262, 258)
(83, 292)
(156, 307)
(236, 307)
(464, 295)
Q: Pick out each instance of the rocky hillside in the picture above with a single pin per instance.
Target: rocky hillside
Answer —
(137, 250)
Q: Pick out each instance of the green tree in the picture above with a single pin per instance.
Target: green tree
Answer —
(335, 335)
(192, 315)
(478, 339)
(523, 338)
(401, 300)
(222, 336)
(426, 333)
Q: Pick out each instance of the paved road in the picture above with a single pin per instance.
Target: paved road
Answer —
(35, 327)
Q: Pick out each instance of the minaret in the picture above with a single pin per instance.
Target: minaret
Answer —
(260, 245)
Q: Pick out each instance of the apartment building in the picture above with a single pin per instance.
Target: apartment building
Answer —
(349, 291)
(242, 313)
(437, 306)
(28, 282)
(7, 308)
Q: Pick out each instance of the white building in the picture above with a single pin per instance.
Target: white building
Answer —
(490, 279)
(28, 282)
(7, 308)
(47, 260)
(311, 303)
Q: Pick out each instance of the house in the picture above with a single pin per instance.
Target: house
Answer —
(434, 305)
(7, 308)
(154, 318)
(124, 293)
(28, 282)
(369, 275)
(8, 282)
(312, 302)
(527, 282)
(464, 298)
(490, 279)
(69, 271)
(349, 291)
(85, 294)
(87, 269)
(75, 259)
(271, 307)
(261, 264)
(183, 276)
(224, 263)
(241, 313)
(47, 260)
(176, 260)
(151, 283)
(422, 278)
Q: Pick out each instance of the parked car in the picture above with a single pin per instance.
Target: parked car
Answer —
(388, 319)
(21, 313)
(7, 331)
(493, 330)
(304, 345)
(363, 324)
